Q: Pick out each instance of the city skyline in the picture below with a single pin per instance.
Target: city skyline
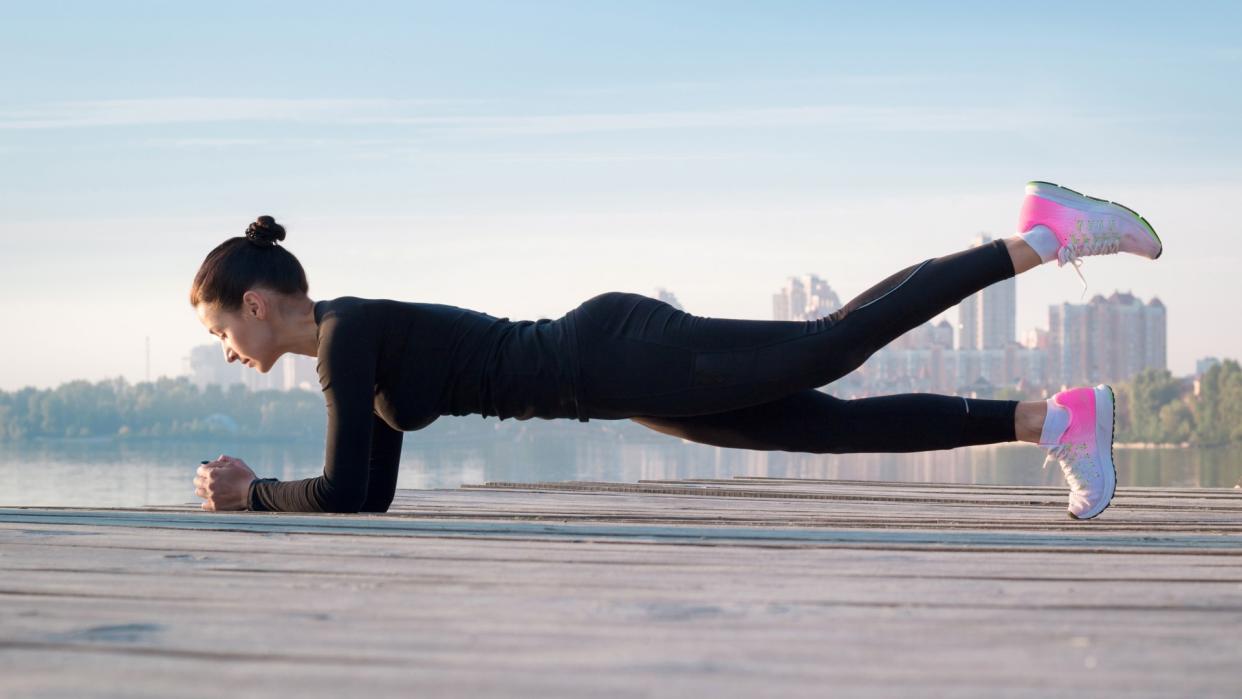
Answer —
(1103, 340)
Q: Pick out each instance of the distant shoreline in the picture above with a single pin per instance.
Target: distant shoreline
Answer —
(110, 439)
(316, 440)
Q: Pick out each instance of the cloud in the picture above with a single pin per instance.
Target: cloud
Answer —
(584, 157)
(388, 148)
(174, 110)
(830, 81)
(412, 112)
(271, 143)
(844, 116)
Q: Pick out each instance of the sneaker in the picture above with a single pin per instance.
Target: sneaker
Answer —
(1085, 450)
(1086, 225)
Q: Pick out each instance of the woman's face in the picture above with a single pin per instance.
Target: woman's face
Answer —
(246, 334)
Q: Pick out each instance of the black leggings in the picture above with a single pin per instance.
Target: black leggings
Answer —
(751, 384)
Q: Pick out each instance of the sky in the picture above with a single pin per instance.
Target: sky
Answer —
(519, 158)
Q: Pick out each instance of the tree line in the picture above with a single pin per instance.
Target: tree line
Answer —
(166, 408)
(1154, 406)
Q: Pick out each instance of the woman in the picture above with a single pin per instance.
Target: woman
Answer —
(387, 367)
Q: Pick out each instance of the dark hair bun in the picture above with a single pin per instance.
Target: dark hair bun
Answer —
(265, 231)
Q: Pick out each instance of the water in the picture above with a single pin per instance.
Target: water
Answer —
(110, 474)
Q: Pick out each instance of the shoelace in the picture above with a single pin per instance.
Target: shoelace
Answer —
(1075, 250)
(1069, 466)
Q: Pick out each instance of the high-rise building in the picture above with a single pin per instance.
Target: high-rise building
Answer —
(299, 371)
(1036, 338)
(968, 323)
(942, 334)
(1106, 339)
(1204, 364)
(920, 360)
(668, 297)
(271, 381)
(987, 319)
(925, 336)
(207, 365)
(1156, 335)
(804, 298)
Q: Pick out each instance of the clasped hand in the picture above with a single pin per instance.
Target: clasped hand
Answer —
(224, 483)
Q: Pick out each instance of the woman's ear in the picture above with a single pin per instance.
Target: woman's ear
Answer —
(254, 305)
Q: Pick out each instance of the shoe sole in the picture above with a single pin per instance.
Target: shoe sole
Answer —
(1112, 421)
(1142, 221)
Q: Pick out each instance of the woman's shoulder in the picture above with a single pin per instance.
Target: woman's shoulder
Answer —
(354, 306)
(349, 330)
(346, 316)
(353, 309)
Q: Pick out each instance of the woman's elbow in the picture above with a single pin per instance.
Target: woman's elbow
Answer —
(345, 503)
(377, 505)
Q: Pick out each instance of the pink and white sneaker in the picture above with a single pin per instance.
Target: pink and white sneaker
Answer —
(1085, 225)
(1085, 449)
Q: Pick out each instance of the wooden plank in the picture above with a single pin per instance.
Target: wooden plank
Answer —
(402, 526)
(719, 588)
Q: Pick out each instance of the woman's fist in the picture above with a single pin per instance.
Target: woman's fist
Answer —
(225, 483)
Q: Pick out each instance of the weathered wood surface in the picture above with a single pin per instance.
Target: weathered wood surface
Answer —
(737, 587)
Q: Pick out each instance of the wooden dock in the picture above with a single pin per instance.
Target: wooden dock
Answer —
(740, 587)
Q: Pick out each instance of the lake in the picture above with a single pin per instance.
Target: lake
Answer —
(107, 473)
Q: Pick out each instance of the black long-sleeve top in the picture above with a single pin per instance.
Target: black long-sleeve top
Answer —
(387, 367)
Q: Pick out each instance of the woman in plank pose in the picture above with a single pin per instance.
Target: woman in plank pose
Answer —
(387, 367)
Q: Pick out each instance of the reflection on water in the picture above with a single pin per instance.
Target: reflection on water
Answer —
(107, 474)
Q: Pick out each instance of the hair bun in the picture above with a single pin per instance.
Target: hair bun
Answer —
(265, 232)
